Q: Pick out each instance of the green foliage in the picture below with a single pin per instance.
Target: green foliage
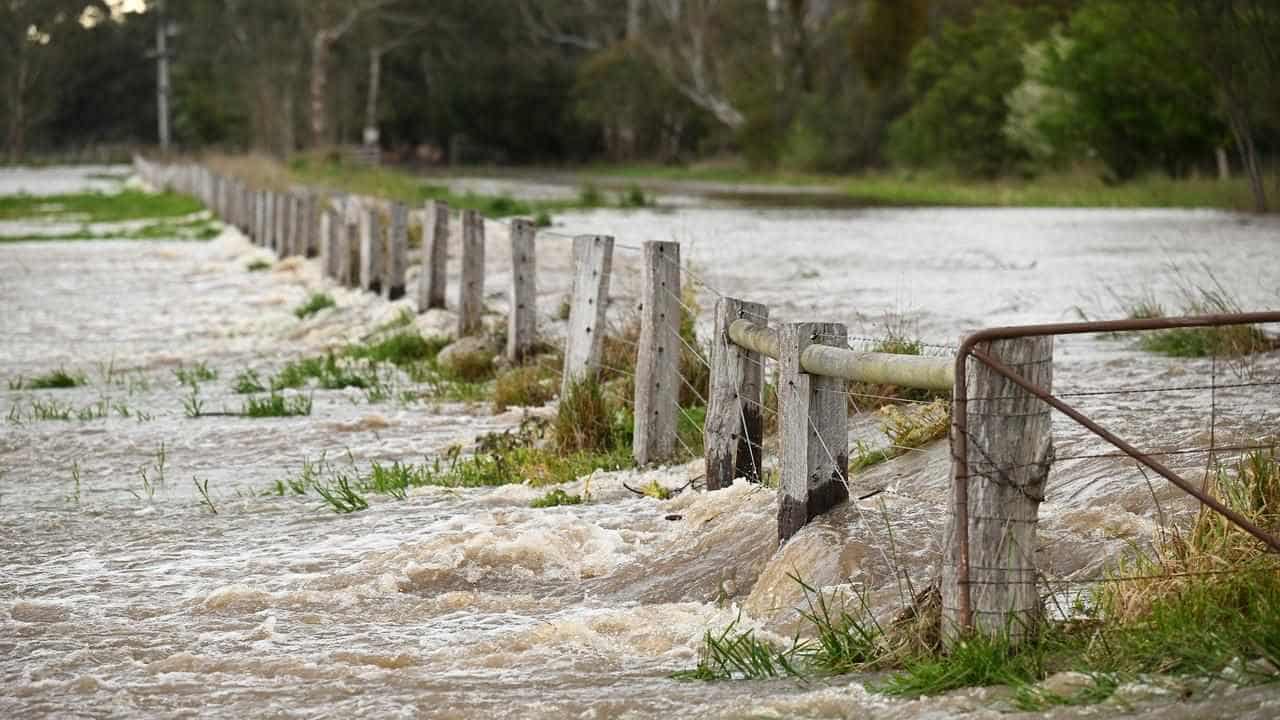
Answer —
(739, 654)
(341, 497)
(198, 373)
(314, 304)
(586, 422)
(556, 498)
(1138, 90)
(959, 81)
(258, 265)
(57, 379)
(525, 386)
(247, 382)
(277, 405)
(402, 348)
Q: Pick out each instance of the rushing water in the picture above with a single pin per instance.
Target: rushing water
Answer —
(121, 596)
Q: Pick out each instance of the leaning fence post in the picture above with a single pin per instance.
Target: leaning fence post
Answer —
(435, 253)
(657, 400)
(813, 421)
(734, 429)
(371, 251)
(397, 249)
(584, 338)
(522, 328)
(996, 498)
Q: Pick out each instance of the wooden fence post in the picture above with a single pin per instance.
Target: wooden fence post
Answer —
(813, 421)
(310, 226)
(278, 235)
(328, 244)
(734, 430)
(397, 250)
(522, 322)
(1010, 452)
(471, 284)
(435, 254)
(294, 242)
(657, 401)
(584, 338)
(371, 264)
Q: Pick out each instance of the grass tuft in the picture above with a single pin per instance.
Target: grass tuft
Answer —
(526, 386)
(556, 498)
(258, 265)
(277, 405)
(58, 379)
(314, 304)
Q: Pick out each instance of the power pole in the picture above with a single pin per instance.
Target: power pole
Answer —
(162, 75)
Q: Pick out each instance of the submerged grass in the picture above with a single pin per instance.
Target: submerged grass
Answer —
(556, 498)
(55, 380)
(314, 304)
(277, 405)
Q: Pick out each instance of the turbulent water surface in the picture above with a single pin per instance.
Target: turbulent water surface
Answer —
(122, 594)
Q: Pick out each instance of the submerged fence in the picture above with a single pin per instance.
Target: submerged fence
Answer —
(1001, 420)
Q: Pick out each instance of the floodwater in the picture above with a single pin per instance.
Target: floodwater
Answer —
(125, 597)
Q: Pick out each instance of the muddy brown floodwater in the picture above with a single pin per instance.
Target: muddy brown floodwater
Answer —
(121, 597)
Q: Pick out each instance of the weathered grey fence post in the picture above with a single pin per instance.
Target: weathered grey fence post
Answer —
(584, 339)
(279, 234)
(328, 244)
(397, 250)
(522, 322)
(435, 254)
(310, 226)
(813, 421)
(658, 354)
(734, 431)
(294, 242)
(1010, 451)
(371, 263)
(471, 284)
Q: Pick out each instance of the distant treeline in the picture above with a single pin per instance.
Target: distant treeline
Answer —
(982, 88)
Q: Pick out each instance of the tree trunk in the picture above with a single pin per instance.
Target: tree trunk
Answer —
(18, 112)
(371, 100)
(774, 8)
(319, 84)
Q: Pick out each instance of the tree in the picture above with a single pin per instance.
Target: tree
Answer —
(32, 37)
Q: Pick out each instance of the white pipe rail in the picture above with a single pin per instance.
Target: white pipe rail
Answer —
(913, 371)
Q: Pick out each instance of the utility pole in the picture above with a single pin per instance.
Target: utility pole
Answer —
(162, 75)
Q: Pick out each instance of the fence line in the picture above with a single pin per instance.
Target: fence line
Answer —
(1001, 426)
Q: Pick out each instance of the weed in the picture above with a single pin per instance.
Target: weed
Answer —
(584, 420)
(634, 197)
(57, 379)
(51, 410)
(192, 404)
(556, 498)
(526, 386)
(200, 372)
(314, 304)
(976, 661)
(542, 219)
(247, 383)
(329, 374)
(402, 348)
(589, 196)
(732, 654)
(258, 265)
(203, 489)
(341, 497)
(277, 405)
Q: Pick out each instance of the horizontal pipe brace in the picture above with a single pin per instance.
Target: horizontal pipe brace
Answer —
(911, 371)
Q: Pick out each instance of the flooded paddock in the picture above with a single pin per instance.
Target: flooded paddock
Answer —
(122, 595)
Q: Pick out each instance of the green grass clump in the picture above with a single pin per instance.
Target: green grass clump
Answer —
(341, 497)
(738, 654)
(98, 207)
(556, 498)
(198, 373)
(277, 405)
(247, 382)
(525, 386)
(402, 348)
(314, 304)
(58, 379)
(328, 373)
(1199, 342)
(258, 265)
(585, 421)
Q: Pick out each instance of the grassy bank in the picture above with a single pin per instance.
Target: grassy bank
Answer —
(1082, 187)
